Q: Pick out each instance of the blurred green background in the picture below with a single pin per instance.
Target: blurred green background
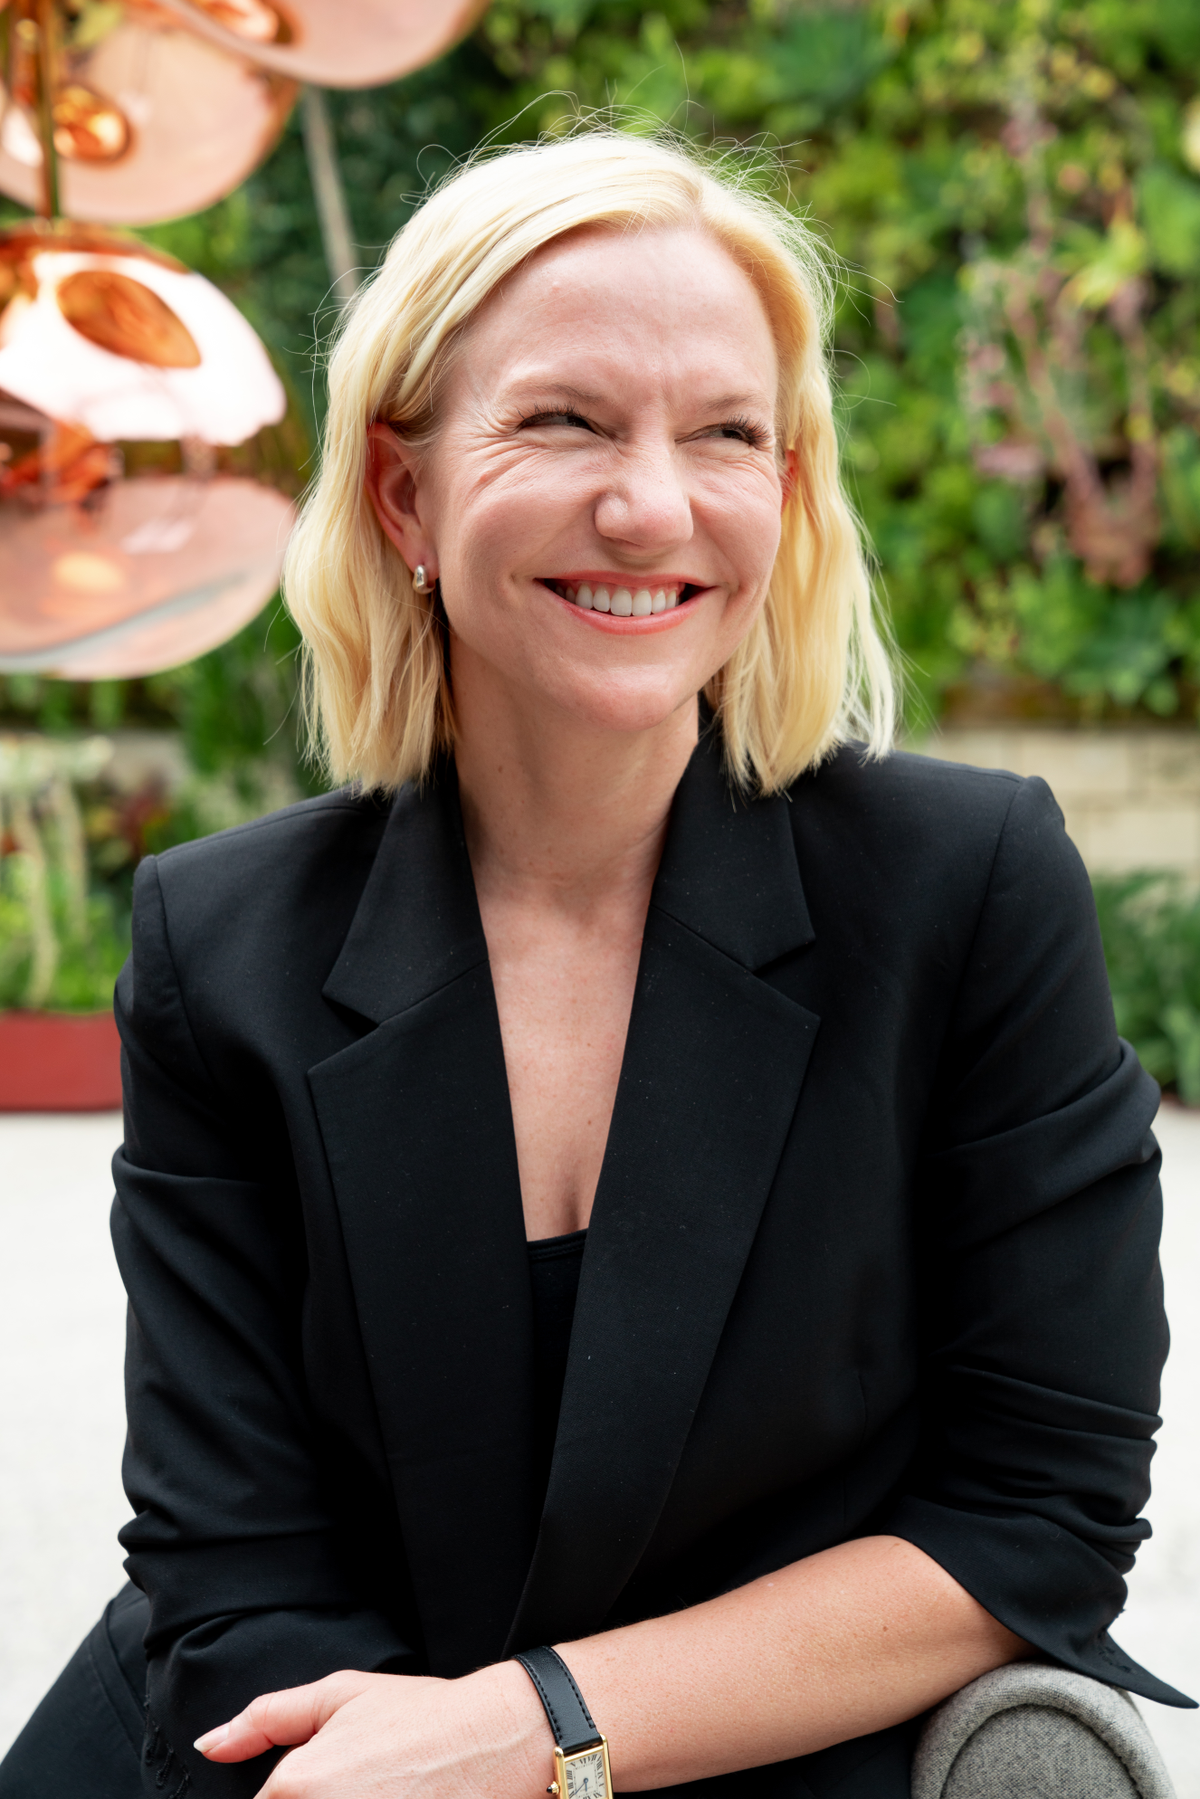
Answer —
(1012, 185)
(1014, 189)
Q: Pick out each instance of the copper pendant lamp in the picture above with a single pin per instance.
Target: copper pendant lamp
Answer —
(98, 329)
(103, 574)
(337, 43)
(160, 107)
(132, 113)
(141, 575)
(149, 121)
(103, 339)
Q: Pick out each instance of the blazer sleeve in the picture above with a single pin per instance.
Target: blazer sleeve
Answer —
(230, 1541)
(1039, 1213)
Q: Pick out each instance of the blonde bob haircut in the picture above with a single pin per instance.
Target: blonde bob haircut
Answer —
(813, 671)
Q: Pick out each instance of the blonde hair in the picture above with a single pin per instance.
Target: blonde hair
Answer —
(812, 672)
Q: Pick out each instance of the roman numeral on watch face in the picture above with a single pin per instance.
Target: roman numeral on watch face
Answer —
(585, 1777)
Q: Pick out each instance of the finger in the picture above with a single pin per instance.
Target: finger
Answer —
(291, 1716)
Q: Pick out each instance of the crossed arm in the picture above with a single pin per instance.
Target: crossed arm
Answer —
(840, 1644)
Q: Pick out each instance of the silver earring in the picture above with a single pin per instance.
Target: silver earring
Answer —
(420, 584)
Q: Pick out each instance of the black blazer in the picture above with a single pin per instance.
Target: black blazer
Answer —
(874, 1247)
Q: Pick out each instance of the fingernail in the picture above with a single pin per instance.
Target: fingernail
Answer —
(211, 1739)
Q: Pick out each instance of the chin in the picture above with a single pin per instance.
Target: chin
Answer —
(628, 707)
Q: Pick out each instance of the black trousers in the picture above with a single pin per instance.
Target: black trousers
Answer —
(84, 1741)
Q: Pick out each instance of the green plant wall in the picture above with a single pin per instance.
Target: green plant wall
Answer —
(1012, 185)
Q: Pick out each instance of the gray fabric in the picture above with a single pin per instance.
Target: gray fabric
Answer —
(1032, 1752)
(1035, 1732)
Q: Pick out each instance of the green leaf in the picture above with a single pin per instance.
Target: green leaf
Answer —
(1170, 210)
(1181, 1023)
(1181, 481)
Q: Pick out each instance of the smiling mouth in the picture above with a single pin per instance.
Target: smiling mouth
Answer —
(623, 602)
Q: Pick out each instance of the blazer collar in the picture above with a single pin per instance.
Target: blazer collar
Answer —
(728, 873)
(417, 925)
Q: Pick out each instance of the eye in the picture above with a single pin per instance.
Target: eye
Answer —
(541, 419)
(741, 430)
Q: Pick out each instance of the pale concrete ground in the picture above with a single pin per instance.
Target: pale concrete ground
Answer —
(62, 1414)
(61, 1423)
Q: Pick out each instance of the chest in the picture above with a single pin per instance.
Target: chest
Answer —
(564, 989)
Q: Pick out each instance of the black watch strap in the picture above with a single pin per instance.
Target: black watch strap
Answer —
(570, 1719)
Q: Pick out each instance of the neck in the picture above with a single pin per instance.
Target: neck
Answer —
(560, 810)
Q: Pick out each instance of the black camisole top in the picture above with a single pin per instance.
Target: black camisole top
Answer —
(554, 1264)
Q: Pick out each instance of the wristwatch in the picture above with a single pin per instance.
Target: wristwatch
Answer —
(580, 1752)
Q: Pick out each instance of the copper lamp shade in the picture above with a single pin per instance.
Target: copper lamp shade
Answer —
(335, 43)
(178, 102)
(104, 333)
(159, 570)
(102, 575)
(175, 124)
(144, 112)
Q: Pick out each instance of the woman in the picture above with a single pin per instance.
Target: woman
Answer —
(619, 966)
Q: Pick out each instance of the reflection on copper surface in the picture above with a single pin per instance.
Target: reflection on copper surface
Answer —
(87, 127)
(127, 344)
(19, 242)
(82, 571)
(19, 418)
(126, 318)
(67, 464)
(161, 570)
(199, 118)
(22, 56)
(248, 19)
(16, 280)
(346, 43)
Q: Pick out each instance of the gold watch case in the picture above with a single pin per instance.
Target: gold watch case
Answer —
(583, 1775)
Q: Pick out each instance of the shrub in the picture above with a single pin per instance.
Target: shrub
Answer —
(1151, 930)
(62, 938)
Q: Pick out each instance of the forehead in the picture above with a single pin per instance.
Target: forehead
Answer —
(664, 306)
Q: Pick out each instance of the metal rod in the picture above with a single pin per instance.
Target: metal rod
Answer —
(330, 195)
(47, 87)
(7, 23)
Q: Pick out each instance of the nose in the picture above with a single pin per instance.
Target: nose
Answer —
(645, 505)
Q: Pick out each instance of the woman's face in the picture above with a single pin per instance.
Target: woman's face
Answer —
(607, 436)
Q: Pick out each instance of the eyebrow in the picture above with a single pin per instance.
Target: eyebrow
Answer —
(582, 397)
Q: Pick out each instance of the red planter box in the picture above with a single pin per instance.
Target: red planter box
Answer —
(59, 1062)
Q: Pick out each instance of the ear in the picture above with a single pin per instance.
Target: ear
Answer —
(392, 486)
(791, 471)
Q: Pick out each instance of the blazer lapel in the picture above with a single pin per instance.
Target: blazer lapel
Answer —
(417, 1128)
(712, 1072)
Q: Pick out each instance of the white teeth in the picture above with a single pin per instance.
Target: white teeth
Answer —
(622, 602)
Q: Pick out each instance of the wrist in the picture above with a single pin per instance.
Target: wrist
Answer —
(517, 1723)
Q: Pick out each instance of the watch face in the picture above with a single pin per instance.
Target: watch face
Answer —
(585, 1776)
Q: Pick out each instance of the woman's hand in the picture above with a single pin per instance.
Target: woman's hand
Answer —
(369, 1736)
